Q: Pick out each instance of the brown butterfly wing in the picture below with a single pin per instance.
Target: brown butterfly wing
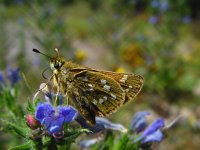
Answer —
(96, 93)
(130, 83)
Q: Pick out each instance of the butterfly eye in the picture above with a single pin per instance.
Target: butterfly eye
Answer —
(57, 64)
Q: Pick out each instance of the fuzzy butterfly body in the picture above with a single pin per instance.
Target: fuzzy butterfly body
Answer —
(94, 92)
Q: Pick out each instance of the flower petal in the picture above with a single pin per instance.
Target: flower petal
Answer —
(1, 78)
(69, 113)
(56, 125)
(109, 125)
(153, 127)
(88, 143)
(46, 121)
(153, 19)
(48, 96)
(13, 75)
(101, 124)
(43, 110)
(139, 123)
(155, 137)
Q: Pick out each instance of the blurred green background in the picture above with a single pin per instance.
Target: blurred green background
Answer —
(158, 39)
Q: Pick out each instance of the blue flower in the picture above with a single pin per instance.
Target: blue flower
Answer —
(1, 78)
(13, 75)
(88, 143)
(153, 132)
(153, 19)
(52, 118)
(186, 19)
(157, 136)
(101, 124)
(164, 5)
(50, 96)
(155, 3)
(139, 123)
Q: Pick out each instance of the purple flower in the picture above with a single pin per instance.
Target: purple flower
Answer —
(157, 136)
(106, 124)
(186, 19)
(49, 97)
(153, 132)
(1, 79)
(88, 143)
(139, 123)
(13, 75)
(155, 3)
(101, 124)
(52, 118)
(164, 5)
(153, 19)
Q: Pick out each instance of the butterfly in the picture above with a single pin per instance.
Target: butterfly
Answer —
(93, 92)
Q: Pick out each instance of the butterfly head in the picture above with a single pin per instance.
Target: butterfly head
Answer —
(56, 63)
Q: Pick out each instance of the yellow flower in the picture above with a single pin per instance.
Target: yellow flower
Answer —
(132, 55)
(80, 55)
(120, 70)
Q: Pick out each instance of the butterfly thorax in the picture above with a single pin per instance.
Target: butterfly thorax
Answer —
(62, 76)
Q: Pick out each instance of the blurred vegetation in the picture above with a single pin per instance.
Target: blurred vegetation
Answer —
(158, 39)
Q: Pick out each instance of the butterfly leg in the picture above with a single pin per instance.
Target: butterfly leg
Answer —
(57, 94)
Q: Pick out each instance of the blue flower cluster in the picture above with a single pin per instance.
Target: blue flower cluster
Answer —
(13, 76)
(143, 133)
(52, 118)
(101, 125)
(162, 5)
(151, 133)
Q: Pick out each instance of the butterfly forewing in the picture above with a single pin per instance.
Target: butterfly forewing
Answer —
(131, 83)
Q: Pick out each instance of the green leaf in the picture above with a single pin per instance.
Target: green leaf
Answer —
(71, 136)
(9, 99)
(122, 143)
(108, 142)
(46, 140)
(30, 107)
(22, 131)
(26, 146)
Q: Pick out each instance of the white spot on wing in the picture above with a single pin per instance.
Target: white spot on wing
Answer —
(113, 96)
(94, 101)
(106, 87)
(90, 85)
(101, 100)
(83, 78)
(124, 78)
(105, 98)
(103, 81)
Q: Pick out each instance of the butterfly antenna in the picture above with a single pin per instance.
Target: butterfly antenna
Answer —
(57, 51)
(37, 51)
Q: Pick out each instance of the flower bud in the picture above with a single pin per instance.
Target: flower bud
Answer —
(32, 122)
